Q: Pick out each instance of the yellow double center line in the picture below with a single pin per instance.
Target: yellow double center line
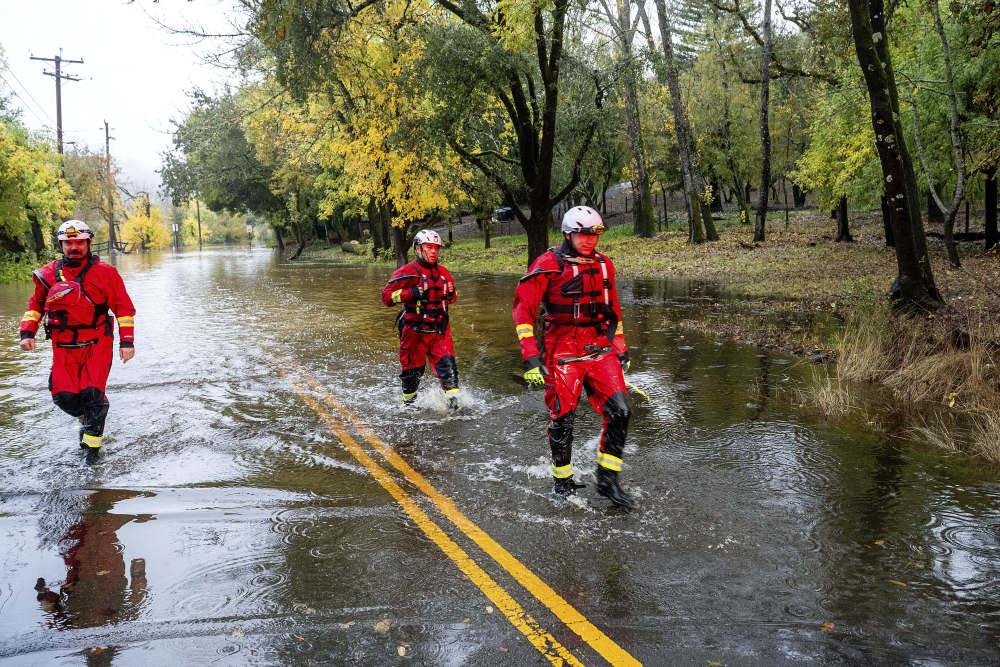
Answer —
(564, 611)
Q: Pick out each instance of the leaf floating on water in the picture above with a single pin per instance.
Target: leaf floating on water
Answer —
(301, 638)
(713, 662)
(344, 626)
(489, 609)
(898, 583)
(826, 627)
(466, 620)
(879, 542)
(102, 573)
(580, 593)
(383, 625)
(96, 649)
(401, 651)
(503, 649)
(238, 633)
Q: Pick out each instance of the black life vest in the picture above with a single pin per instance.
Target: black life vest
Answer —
(68, 307)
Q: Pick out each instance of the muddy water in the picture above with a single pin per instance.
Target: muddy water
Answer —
(227, 522)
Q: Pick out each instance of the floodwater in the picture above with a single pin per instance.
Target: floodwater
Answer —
(264, 499)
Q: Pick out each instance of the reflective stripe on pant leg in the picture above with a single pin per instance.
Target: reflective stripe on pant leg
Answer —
(410, 379)
(616, 416)
(95, 412)
(447, 373)
(607, 393)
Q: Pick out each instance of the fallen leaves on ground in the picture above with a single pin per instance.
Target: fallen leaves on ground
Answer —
(383, 625)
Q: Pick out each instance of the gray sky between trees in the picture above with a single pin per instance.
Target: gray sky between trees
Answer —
(135, 74)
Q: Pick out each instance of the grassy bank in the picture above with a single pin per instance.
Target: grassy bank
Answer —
(802, 293)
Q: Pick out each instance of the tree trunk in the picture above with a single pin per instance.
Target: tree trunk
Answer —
(400, 247)
(765, 127)
(538, 226)
(843, 233)
(798, 196)
(277, 238)
(890, 242)
(695, 230)
(914, 285)
(934, 212)
(642, 212)
(685, 138)
(375, 227)
(486, 225)
(990, 212)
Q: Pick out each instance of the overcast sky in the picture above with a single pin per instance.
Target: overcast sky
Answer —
(135, 74)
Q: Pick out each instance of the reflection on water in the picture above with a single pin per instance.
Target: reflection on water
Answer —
(763, 535)
(95, 590)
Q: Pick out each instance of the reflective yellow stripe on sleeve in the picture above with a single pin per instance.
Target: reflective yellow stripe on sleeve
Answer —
(608, 461)
(562, 472)
(620, 330)
(396, 296)
(524, 331)
(31, 316)
(126, 320)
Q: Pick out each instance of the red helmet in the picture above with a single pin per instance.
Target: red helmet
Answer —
(582, 219)
(74, 229)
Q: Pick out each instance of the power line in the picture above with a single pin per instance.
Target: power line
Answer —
(28, 93)
(45, 123)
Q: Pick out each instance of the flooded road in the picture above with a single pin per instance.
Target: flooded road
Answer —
(264, 498)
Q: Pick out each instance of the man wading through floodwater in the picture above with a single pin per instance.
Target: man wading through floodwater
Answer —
(425, 289)
(584, 346)
(76, 293)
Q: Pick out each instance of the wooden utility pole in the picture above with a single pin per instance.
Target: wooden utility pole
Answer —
(109, 187)
(59, 76)
(197, 206)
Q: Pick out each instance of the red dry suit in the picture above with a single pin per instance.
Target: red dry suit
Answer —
(582, 318)
(425, 292)
(77, 302)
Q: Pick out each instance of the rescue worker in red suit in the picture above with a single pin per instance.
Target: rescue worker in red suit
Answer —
(583, 348)
(76, 294)
(425, 289)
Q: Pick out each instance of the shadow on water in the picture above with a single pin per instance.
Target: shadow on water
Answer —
(228, 523)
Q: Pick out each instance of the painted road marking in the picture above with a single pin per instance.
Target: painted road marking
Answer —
(546, 644)
(563, 610)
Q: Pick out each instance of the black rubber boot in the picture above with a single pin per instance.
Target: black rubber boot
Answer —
(452, 403)
(607, 486)
(565, 486)
(93, 455)
(80, 440)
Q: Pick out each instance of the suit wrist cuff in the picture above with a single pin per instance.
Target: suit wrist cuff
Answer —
(25, 335)
(125, 343)
(534, 361)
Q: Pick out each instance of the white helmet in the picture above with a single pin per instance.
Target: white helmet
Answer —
(582, 219)
(74, 229)
(427, 236)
